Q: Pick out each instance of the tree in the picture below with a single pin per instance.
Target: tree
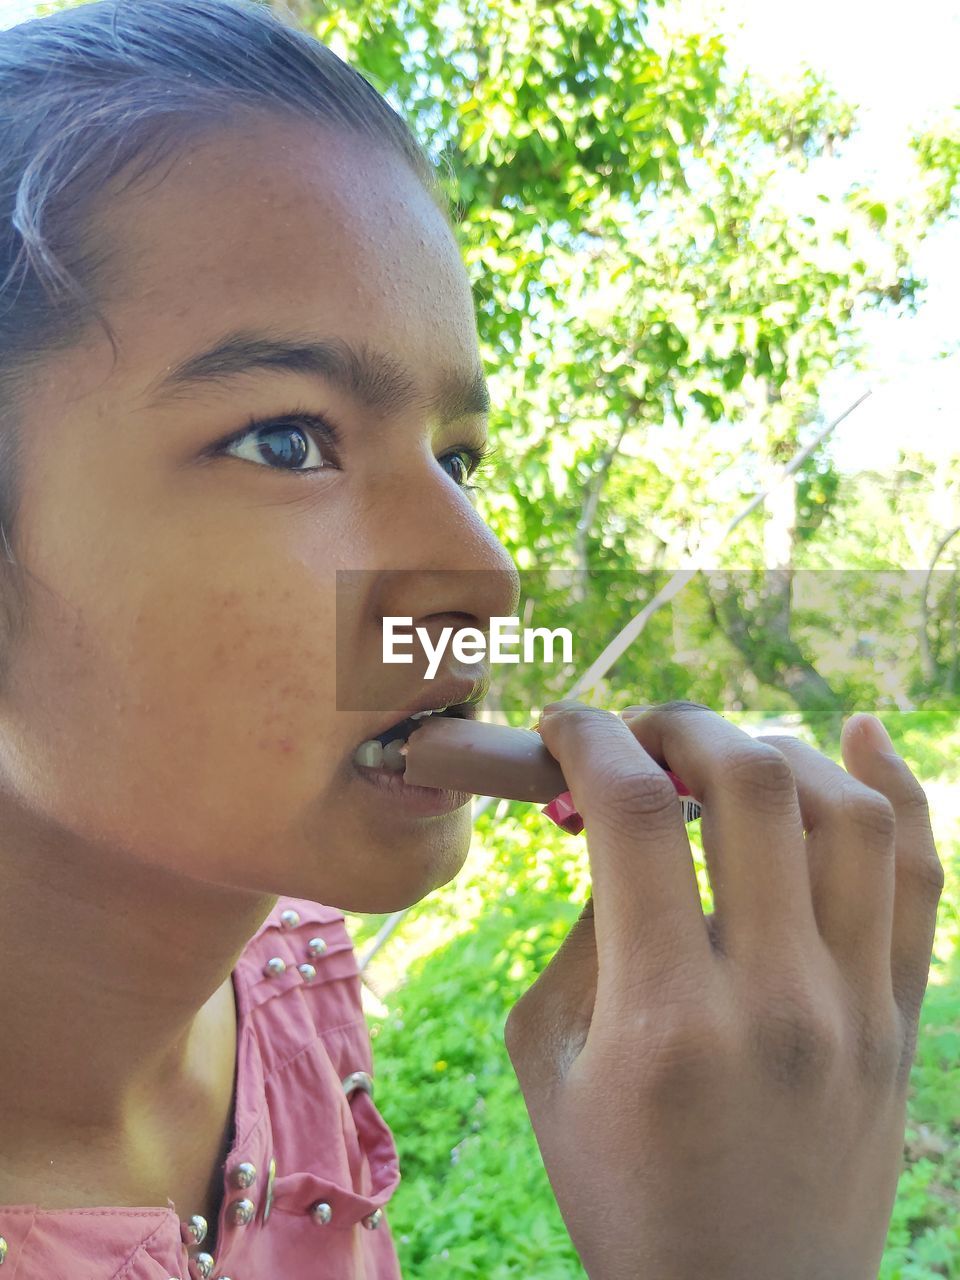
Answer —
(938, 152)
(660, 285)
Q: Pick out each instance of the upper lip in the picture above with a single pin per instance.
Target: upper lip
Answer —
(460, 695)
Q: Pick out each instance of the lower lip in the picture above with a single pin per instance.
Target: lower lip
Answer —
(420, 802)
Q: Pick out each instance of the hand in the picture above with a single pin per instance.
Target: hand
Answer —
(725, 1097)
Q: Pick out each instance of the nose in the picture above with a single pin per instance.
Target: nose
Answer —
(444, 559)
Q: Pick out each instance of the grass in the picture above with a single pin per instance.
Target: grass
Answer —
(475, 1200)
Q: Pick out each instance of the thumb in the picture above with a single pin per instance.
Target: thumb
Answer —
(548, 1026)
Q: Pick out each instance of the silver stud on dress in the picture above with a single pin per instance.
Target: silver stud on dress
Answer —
(289, 919)
(321, 1213)
(243, 1175)
(268, 1202)
(273, 968)
(357, 1080)
(307, 972)
(240, 1212)
(373, 1220)
(193, 1232)
(316, 947)
(201, 1266)
(3, 1251)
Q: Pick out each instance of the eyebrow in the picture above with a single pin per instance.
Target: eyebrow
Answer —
(373, 378)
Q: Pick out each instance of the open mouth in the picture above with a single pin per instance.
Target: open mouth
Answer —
(385, 751)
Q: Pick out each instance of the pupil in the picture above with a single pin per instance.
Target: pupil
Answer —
(285, 454)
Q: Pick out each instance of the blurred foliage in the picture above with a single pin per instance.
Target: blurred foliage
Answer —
(663, 278)
(938, 150)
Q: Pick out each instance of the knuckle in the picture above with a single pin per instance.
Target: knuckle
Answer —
(926, 872)
(879, 1046)
(685, 1054)
(523, 1028)
(543, 1033)
(875, 1030)
(777, 740)
(796, 1042)
(682, 706)
(515, 1030)
(913, 797)
(759, 773)
(932, 874)
(630, 796)
(564, 716)
(870, 814)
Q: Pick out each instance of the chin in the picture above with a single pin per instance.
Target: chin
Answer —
(410, 872)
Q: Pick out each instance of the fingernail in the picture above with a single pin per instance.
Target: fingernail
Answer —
(876, 735)
(630, 713)
(551, 707)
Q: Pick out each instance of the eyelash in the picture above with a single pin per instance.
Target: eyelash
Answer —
(325, 432)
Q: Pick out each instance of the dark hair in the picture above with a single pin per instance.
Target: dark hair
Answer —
(85, 92)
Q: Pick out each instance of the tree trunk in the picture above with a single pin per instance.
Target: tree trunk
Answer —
(588, 511)
(927, 660)
(762, 634)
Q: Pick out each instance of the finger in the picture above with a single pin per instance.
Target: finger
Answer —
(548, 1026)
(918, 872)
(850, 854)
(649, 922)
(751, 827)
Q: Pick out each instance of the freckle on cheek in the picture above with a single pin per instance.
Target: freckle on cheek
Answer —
(283, 745)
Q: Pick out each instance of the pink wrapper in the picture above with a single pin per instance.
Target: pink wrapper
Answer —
(563, 811)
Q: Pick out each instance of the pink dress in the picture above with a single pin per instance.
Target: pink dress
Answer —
(306, 1135)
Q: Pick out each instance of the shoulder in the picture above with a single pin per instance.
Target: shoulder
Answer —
(298, 977)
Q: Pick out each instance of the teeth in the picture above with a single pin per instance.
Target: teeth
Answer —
(372, 754)
(369, 754)
(393, 758)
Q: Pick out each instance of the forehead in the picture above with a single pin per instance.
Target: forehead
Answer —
(289, 224)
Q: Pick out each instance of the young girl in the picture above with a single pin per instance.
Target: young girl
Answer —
(238, 353)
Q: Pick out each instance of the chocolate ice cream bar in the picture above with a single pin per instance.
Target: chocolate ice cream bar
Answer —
(487, 759)
(496, 760)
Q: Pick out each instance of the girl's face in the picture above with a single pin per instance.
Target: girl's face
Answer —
(175, 696)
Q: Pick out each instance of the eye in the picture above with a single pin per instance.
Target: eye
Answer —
(298, 442)
(465, 462)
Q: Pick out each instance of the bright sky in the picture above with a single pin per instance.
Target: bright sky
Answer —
(902, 70)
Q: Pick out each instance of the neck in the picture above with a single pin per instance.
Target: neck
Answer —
(117, 975)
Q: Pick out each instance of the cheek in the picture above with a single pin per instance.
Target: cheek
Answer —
(247, 667)
(181, 720)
